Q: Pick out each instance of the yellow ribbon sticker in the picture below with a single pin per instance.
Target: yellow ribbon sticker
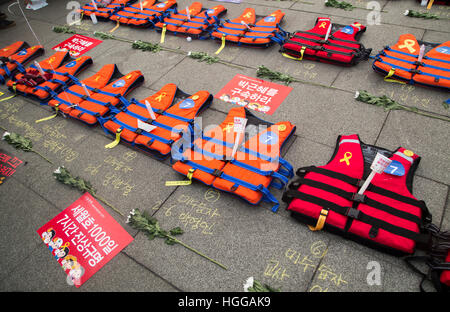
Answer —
(186, 182)
(160, 97)
(229, 127)
(323, 25)
(409, 44)
(347, 157)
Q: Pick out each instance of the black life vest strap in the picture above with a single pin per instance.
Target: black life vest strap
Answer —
(327, 42)
(360, 216)
(322, 48)
(363, 199)
(372, 188)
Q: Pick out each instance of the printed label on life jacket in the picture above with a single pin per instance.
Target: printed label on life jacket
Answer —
(210, 11)
(161, 5)
(23, 52)
(71, 64)
(268, 138)
(444, 50)
(395, 168)
(347, 30)
(380, 163)
(269, 19)
(187, 103)
(119, 83)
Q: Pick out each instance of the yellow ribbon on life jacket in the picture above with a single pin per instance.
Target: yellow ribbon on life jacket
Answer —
(117, 26)
(320, 222)
(116, 141)
(49, 117)
(390, 74)
(223, 44)
(302, 51)
(185, 182)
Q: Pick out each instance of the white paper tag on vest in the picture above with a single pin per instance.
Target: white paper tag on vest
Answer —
(93, 18)
(150, 110)
(145, 126)
(239, 124)
(380, 163)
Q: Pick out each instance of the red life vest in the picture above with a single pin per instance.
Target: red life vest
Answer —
(400, 62)
(341, 47)
(387, 216)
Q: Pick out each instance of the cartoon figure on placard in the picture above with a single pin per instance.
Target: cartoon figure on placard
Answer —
(75, 274)
(243, 103)
(235, 100)
(48, 235)
(55, 243)
(225, 97)
(69, 262)
(253, 106)
(62, 252)
(264, 108)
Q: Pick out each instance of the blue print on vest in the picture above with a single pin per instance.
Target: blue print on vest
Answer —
(395, 168)
(119, 84)
(188, 103)
(268, 138)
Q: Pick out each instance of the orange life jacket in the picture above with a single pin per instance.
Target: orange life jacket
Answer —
(341, 47)
(8, 65)
(150, 14)
(261, 34)
(106, 11)
(400, 62)
(66, 100)
(102, 100)
(253, 168)
(13, 48)
(200, 20)
(60, 77)
(170, 123)
(24, 83)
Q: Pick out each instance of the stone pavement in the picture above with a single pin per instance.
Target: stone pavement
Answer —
(249, 240)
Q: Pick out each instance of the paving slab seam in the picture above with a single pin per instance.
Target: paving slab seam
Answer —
(151, 271)
(308, 286)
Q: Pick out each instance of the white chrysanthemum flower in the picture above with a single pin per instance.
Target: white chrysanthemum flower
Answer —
(248, 283)
(356, 94)
(189, 53)
(326, 1)
(5, 134)
(57, 171)
(128, 220)
(132, 212)
(406, 12)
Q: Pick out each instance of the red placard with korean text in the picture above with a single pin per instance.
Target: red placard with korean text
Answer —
(8, 165)
(77, 45)
(83, 238)
(260, 95)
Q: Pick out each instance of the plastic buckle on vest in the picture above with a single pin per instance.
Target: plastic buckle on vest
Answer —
(217, 173)
(84, 97)
(359, 198)
(95, 90)
(353, 213)
(414, 71)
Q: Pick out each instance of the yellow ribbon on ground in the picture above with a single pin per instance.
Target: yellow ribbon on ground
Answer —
(10, 97)
(49, 117)
(116, 141)
(163, 33)
(302, 51)
(389, 75)
(430, 4)
(186, 182)
(320, 221)
(117, 26)
(223, 44)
